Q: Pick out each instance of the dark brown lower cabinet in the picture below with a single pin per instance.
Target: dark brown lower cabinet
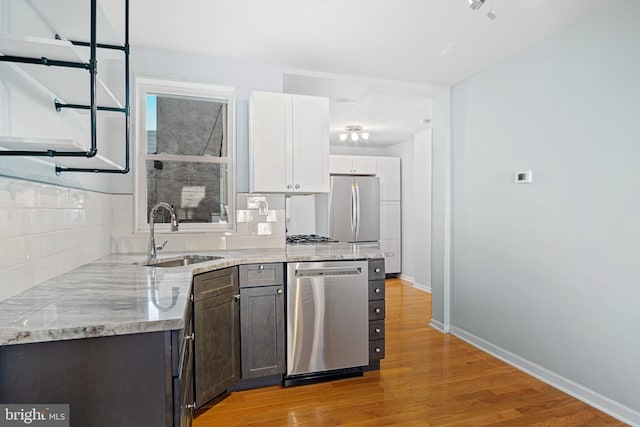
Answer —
(376, 313)
(217, 333)
(124, 380)
(263, 331)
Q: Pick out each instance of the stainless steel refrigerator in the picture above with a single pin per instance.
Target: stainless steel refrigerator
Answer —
(354, 209)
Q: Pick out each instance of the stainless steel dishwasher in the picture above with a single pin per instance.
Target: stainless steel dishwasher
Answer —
(327, 320)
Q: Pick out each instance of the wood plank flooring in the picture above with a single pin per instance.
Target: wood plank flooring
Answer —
(427, 379)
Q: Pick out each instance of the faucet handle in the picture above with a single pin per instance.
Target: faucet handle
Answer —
(161, 247)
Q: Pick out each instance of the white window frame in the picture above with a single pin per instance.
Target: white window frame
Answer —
(152, 85)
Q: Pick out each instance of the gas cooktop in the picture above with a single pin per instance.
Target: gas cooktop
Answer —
(308, 238)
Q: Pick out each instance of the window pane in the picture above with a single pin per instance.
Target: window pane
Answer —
(186, 126)
(197, 191)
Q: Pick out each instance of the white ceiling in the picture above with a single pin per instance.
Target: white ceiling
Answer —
(438, 42)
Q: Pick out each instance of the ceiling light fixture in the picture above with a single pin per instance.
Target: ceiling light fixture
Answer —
(355, 133)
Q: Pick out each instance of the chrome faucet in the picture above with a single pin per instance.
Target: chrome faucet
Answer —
(153, 249)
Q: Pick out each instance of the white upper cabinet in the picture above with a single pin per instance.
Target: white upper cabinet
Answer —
(288, 143)
(389, 174)
(352, 165)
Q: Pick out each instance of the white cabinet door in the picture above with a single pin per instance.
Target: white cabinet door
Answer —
(270, 133)
(288, 143)
(340, 165)
(390, 235)
(310, 144)
(389, 174)
(390, 220)
(363, 165)
(353, 165)
(392, 257)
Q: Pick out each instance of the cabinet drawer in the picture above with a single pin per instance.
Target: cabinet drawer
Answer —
(376, 289)
(376, 350)
(210, 284)
(376, 269)
(376, 309)
(376, 329)
(261, 275)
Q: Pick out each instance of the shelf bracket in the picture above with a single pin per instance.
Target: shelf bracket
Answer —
(91, 66)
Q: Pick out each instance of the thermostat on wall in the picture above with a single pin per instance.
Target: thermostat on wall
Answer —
(524, 177)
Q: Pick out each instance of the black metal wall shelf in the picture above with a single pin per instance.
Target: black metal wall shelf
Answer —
(63, 60)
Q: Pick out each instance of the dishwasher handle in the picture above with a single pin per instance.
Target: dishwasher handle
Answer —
(328, 271)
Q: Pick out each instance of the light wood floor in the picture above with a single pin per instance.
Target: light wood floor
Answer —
(427, 379)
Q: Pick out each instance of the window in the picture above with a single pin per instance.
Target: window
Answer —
(185, 153)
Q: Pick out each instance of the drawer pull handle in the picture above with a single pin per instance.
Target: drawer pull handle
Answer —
(288, 185)
(279, 290)
(378, 350)
(377, 270)
(189, 337)
(378, 330)
(261, 267)
(297, 185)
(237, 297)
(377, 290)
(378, 311)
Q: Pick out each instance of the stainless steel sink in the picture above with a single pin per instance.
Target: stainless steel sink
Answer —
(178, 262)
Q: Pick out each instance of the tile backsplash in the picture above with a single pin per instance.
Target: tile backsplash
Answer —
(260, 222)
(46, 230)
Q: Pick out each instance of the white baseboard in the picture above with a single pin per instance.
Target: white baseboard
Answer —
(603, 403)
(439, 326)
(406, 278)
(420, 286)
(423, 288)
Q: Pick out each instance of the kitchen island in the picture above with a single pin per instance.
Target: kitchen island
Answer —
(115, 339)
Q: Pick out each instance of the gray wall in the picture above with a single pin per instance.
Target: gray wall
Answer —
(440, 207)
(551, 271)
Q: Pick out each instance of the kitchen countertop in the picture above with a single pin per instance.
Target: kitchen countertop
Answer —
(112, 296)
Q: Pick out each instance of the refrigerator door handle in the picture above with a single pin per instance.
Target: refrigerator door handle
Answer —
(357, 210)
(353, 209)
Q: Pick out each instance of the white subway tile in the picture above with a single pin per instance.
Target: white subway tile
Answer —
(10, 222)
(275, 241)
(264, 228)
(16, 280)
(13, 251)
(55, 242)
(53, 197)
(122, 216)
(122, 201)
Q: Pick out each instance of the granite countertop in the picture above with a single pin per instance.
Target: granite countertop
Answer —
(113, 296)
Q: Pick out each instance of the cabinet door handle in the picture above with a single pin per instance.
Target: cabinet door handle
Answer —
(189, 337)
(377, 270)
(378, 350)
(297, 185)
(378, 330)
(378, 311)
(261, 267)
(237, 297)
(289, 186)
(279, 291)
(191, 406)
(377, 290)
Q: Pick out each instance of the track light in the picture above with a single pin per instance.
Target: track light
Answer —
(476, 4)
